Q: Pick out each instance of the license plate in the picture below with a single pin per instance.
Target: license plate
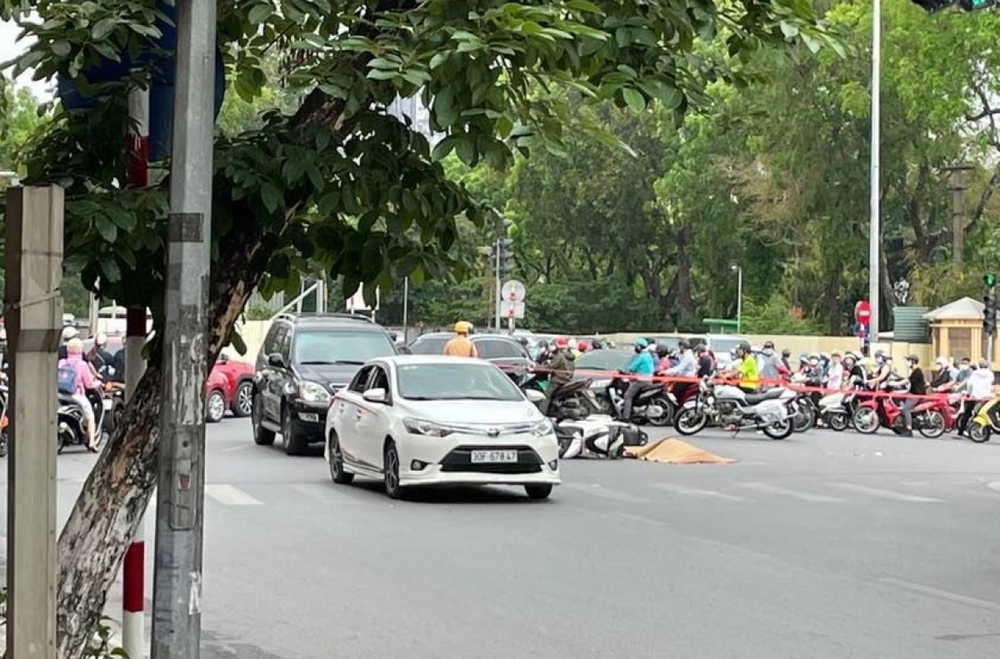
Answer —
(483, 457)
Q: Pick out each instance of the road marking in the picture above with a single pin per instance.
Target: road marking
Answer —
(884, 494)
(228, 495)
(323, 493)
(236, 448)
(691, 491)
(943, 594)
(803, 496)
(604, 493)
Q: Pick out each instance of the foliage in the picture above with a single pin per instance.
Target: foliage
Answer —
(774, 316)
(100, 646)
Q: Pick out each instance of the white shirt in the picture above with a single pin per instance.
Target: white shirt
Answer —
(835, 376)
(980, 383)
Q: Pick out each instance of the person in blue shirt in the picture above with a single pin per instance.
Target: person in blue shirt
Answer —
(643, 365)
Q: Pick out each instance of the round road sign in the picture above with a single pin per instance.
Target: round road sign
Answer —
(513, 290)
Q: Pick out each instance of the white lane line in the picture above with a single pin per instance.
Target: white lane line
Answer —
(323, 493)
(228, 495)
(691, 491)
(768, 488)
(604, 493)
(943, 594)
(884, 494)
(236, 448)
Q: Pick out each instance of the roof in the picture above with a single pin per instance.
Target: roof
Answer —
(431, 359)
(331, 320)
(472, 337)
(964, 308)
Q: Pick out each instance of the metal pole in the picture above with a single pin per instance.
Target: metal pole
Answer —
(988, 350)
(180, 495)
(875, 230)
(134, 567)
(406, 306)
(497, 297)
(34, 318)
(739, 299)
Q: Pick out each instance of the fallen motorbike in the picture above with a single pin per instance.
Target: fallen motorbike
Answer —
(599, 436)
(652, 404)
(730, 406)
(71, 427)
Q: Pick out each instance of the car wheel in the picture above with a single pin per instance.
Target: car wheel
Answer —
(261, 435)
(215, 407)
(243, 400)
(390, 471)
(538, 491)
(336, 456)
(292, 441)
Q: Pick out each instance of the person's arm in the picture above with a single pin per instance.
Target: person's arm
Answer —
(475, 353)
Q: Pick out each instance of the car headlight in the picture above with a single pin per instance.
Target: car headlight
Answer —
(428, 428)
(313, 392)
(542, 428)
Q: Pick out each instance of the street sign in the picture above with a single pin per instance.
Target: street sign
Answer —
(510, 309)
(513, 290)
(863, 312)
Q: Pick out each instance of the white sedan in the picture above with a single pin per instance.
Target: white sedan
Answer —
(414, 420)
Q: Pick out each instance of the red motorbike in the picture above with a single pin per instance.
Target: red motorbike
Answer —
(931, 417)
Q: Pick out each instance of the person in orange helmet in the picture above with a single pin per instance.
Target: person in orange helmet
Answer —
(460, 345)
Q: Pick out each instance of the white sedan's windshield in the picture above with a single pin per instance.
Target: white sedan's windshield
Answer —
(473, 381)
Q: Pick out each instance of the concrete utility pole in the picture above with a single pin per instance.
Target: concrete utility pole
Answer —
(875, 229)
(34, 319)
(181, 486)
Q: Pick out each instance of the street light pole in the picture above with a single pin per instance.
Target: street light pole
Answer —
(406, 306)
(496, 317)
(739, 297)
(874, 230)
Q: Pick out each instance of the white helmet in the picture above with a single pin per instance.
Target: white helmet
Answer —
(942, 362)
(101, 339)
(69, 332)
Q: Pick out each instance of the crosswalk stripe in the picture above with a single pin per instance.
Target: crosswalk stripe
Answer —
(884, 494)
(228, 495)
(604, 493)
(943, 594)
(767, 488)
(681, 489)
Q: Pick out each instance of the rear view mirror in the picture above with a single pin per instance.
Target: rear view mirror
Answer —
(534, 395)
(374, 395)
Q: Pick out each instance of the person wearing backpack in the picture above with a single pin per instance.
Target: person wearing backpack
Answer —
(74, 378)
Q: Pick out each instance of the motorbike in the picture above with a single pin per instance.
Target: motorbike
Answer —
(985, 422)
(883, 411)
(727, 405)
(572, 401)
(837, 408)
(71, 427)
(652, 404)
(597, 436)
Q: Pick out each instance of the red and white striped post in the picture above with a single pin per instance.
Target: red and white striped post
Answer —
(134, 569)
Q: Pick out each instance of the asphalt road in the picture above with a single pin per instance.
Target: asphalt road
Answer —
(825, 546)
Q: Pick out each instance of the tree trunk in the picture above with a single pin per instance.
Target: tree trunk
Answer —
(106, 514)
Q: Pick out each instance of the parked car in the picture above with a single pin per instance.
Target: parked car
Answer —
(502, 350)
(239, 374)
(423, 420)
(304, 360)
(218, 396)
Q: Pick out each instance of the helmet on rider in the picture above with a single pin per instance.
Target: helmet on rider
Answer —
(984, 363)
(742, 349)
(69, 333)
(462, 327)
(683, 345)
(700, 348)
(803, 358)
(768, 345)
(582, 346)
(942, 362)
(562, 343)
(74, 346)
(786, 353)
(880, 356)
(640, 344)
(913, 359)
(101, 339)
(662, 351)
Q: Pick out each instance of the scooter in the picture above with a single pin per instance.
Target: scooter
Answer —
(650, 405)
(836, 409)
(727, 405)
(71, 427)
(883, 411)
(597, 436)
(985, 422)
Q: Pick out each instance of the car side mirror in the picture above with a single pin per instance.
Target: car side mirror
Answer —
(534, 395)
(374, 395)
(276, 360)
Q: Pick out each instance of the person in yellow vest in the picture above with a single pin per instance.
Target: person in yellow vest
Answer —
(460, 345)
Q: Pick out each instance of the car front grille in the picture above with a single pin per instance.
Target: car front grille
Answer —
(460, 459)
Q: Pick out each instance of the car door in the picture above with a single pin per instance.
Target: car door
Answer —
(264, 370)
(346, 409)
(274, 382)
(373, 422)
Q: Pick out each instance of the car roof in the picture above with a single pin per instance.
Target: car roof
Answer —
(472, 337)
(339, 319)
(400, 360)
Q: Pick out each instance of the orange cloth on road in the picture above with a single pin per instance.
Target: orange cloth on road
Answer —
(674, 451)
(460, 346)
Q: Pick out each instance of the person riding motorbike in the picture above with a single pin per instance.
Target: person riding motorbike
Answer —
(460, 345)
(99, 357)
(68, 334)
(641, 365)
(786, 357)
(745, 368)
(663, 359)
(942, 376)
(769, 364)
(918, 387)
(75, 377)
(561, 368)
(686, 367)
(979, 387)
(705, 362)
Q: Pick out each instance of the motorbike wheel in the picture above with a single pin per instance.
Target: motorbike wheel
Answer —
(804, 418)
(779, 430)
(838, 421)
(932, 425)
(865, 420)
(668, 412)
(690, 421)
(979, 434)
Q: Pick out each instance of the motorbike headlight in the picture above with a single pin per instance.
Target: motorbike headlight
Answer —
(426, 428)
(542, 428)
(313, 392)
(600, 384)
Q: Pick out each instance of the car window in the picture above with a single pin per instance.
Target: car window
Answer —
(358, 384)
(495, 349)
(285, 344)
(379, 380)
(724, 345)
(425, 345)
(340, 347)
(604, 360)
(469, 381)
(271, 340)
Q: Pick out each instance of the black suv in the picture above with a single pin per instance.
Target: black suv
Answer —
(304, 360)
(506, 352)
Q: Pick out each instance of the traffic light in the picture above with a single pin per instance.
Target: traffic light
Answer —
(931, 6)
(990, 312)
(506, 258)
(990, 280)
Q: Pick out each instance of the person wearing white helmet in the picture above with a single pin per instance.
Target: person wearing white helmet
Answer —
(68, 334)
(99, 355)
(941, 380)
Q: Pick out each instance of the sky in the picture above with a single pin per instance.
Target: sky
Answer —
(10, 49)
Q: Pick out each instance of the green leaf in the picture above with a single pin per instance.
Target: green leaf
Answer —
(789, 30)
(102, 29)
(112, 273)
(106, 228)
(61, 48)
(465, 147)
(444, 147)
(236, 340)
(585, 6)
(260, 13)
(271, 197)
(634, 99)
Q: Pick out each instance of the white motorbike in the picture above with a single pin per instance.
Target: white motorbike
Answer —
(731, 407)
(597, 437)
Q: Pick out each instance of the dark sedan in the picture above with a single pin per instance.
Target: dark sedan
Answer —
(506, 352)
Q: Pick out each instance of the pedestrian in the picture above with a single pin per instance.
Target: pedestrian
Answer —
(460, 345)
